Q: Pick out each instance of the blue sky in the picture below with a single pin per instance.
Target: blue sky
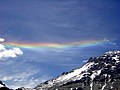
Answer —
(55, 21)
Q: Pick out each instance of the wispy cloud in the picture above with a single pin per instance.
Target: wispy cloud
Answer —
(23, 79)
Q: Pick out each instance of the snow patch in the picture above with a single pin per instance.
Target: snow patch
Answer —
(75, 72)
(1, 86)
(103, 87)
(71, 76)
(95, 73)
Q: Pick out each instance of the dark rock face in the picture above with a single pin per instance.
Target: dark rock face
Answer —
(1, 83)
(3, 86)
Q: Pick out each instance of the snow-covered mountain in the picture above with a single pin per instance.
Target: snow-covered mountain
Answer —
(99, 73)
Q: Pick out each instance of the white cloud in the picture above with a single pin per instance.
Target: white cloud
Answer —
(2, 40)
(6, 78)
(7, 53)
(2, 47)
(10, 53)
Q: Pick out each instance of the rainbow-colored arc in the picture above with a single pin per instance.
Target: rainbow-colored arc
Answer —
(55, 45)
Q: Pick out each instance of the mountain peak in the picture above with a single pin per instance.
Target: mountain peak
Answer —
(112, 53)
(102, 70)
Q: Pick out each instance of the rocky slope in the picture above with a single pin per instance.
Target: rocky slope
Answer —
(99, 73)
